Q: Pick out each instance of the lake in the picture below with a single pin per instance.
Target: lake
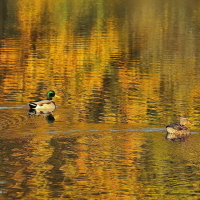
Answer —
(122, 71)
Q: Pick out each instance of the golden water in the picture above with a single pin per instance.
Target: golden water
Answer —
(123, 71)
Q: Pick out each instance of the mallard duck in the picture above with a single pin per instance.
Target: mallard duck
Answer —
(178, 131)
(44, 106)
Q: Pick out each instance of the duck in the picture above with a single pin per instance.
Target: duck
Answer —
(178, 131)
(44, 106)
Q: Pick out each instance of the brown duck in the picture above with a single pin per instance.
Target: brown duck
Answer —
(178, 131)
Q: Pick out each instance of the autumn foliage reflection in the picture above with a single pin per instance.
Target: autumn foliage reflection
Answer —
(111, 62)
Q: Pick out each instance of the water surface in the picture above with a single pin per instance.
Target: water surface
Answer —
(123, 71)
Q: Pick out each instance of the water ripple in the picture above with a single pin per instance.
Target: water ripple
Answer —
(11, 107)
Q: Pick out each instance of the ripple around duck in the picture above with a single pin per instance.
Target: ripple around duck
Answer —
(12, 115)
(110, 130)
(11, 107)
(7, 121)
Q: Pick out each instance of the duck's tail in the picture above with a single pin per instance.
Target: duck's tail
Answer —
(32, 105)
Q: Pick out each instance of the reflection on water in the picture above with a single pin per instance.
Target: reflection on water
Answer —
(116, 163)
(123, 72)
(131, 63)
(49, 116)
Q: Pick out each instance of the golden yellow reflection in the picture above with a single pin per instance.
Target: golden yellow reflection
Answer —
(56, 49)
(119, 68)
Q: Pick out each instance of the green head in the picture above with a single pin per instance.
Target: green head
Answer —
(50, 94)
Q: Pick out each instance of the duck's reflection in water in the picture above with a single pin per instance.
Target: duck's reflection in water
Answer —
(47, 114)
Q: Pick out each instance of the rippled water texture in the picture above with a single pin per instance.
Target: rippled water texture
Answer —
(123, 71)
